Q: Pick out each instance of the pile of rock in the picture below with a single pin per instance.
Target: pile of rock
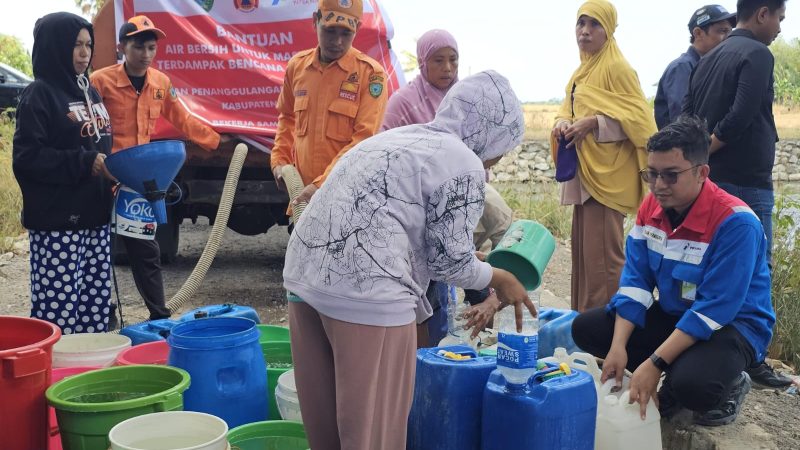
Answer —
(531, 162)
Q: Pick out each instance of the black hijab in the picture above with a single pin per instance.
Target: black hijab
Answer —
(54, 38)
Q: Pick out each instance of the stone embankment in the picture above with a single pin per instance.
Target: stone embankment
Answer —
(531, 162)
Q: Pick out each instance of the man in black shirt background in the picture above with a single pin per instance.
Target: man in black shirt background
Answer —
(732, 88)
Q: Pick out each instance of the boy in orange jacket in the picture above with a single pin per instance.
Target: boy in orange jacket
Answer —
(136, 95)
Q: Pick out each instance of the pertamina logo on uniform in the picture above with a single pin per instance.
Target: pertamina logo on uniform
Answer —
(246, 5)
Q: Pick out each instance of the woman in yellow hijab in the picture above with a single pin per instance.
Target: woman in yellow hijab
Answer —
(606, 118)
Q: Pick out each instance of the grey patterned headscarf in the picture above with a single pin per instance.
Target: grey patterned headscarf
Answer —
(484, 113)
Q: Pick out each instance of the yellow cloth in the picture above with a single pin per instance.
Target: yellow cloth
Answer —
(605, 84)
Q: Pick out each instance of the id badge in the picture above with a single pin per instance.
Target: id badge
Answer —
(688, 291)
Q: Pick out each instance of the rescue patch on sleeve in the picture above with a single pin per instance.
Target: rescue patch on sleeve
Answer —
(172, 92)
(375, 89)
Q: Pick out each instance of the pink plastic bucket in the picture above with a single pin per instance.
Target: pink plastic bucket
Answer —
(59, 374)
(155, 352)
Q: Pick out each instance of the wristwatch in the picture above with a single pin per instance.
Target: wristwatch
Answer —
(659, 363)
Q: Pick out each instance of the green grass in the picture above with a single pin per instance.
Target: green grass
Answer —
(786, 281)
(10, 196)
(539, 202)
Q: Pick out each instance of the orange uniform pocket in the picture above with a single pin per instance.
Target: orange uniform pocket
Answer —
(341, 120)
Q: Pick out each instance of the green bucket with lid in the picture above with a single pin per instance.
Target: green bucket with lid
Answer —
(525, 251)
(89, 405)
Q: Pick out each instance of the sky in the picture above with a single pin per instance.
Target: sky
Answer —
(532, 42)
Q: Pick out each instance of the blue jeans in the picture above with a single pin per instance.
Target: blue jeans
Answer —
(761, 201)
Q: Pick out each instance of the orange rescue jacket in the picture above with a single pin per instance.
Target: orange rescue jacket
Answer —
(133, 116)
(325, 110)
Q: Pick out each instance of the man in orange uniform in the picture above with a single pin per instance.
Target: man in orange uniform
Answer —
(333, 97)
(136, 95)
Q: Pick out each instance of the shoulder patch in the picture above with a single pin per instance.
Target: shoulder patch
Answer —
(172, 92)
(375, 89)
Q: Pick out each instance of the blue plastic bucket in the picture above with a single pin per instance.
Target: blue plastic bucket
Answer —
(448, 395)
(229, 376)
(549, 414)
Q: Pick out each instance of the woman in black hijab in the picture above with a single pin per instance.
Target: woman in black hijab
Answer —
(61, 141)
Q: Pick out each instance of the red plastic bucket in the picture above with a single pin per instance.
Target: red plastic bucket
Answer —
(26, 347)
(155, 352)
(58, 375)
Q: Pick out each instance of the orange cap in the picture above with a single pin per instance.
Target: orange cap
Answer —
(139, 24)
(341, 13)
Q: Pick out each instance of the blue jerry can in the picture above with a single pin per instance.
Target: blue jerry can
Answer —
(542, 414)
(154, 330)
(223, 310)
(448, 395)
(555, 330)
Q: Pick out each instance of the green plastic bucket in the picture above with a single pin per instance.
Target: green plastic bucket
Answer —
(524, 251)
(269, 435)
(272, 333)
(90, 404)
(278, 356)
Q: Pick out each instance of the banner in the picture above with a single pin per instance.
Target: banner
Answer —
(227, 58)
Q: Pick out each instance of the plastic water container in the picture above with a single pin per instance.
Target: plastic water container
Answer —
(89, 405)
(555, 330)
(619, 426)
(448, 395)
(456, 334)
(286, 397)
(576, 360)
(150, 353)
(89, 349)
(517, 352)
(174, 430)
(558, 413)
(223, 310)
(269, 435)
(229, 375)
(25, 368)
(154, 330)
(59, 374)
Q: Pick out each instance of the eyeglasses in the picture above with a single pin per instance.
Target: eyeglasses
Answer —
(668, 176)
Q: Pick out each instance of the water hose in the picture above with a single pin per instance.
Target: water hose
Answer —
(294, 186)
(192, 284)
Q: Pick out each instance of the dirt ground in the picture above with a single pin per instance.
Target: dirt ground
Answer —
(248, 269)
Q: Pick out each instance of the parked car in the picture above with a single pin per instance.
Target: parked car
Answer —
(12, 82)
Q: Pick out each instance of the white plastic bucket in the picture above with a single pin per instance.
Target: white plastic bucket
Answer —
(173, 430)
(286, 397)
(89, 349)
